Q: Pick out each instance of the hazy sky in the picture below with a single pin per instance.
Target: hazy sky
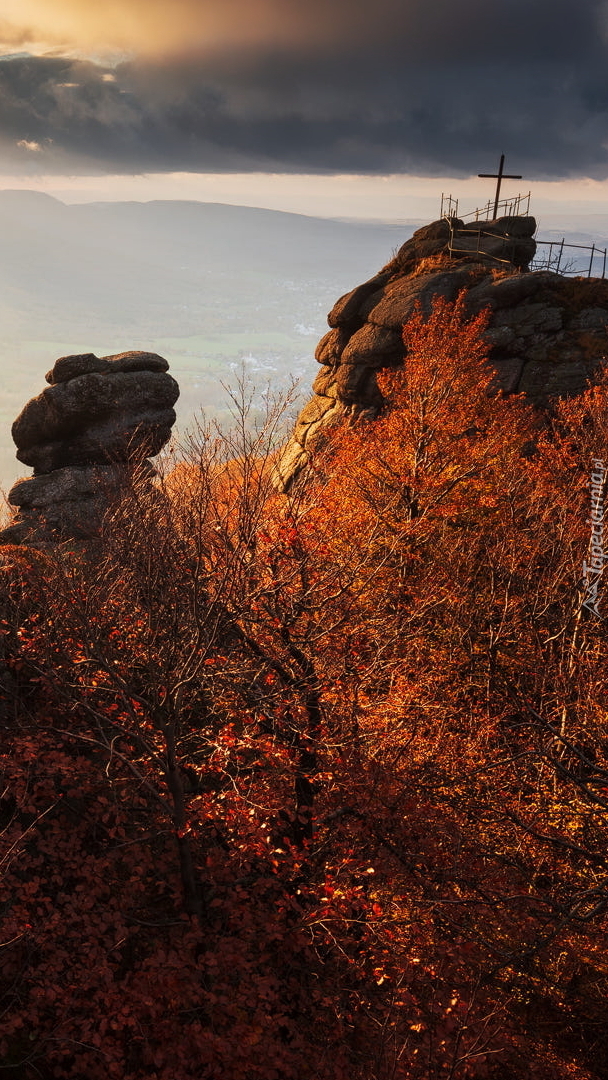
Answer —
(180, 94)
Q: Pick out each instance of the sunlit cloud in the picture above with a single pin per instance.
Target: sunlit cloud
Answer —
(29, 144)
(149, 27)
(154, 27)
(414, 87)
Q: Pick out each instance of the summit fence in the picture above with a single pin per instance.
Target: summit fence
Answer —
(569, 260)
(518, 206)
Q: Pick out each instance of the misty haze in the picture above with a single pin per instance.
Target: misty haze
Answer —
(211, 287)
(208, 286)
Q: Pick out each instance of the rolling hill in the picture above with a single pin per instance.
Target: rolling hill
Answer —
(209, 286)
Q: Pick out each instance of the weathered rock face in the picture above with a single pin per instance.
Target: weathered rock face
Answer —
(82, 435)
(547, 333)
(507, 240)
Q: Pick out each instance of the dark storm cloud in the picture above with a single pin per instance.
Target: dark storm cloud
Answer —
(426, 88)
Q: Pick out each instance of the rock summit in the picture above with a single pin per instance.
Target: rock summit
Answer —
(546, 336)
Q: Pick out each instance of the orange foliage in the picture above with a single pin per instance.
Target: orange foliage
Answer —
(317, 787)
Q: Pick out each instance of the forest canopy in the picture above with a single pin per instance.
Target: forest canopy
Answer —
(314, 786)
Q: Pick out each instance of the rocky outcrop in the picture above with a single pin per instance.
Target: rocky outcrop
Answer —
(99, 419)
(547, 333)
(506, 240)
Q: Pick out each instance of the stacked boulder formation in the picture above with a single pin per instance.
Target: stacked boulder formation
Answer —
(100, 418)
(547, 332)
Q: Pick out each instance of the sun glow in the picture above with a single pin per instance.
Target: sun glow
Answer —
(77, 27)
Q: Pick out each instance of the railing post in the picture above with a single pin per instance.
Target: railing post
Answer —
(451, 241)
(604, 265)
(559, 257)
(591, 259)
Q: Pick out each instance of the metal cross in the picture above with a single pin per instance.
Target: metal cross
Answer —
(499, 177)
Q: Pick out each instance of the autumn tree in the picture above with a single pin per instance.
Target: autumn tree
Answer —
(315, 786)
(490, 721)
(173, 687)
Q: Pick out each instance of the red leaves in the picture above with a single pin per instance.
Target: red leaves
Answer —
(384, 853)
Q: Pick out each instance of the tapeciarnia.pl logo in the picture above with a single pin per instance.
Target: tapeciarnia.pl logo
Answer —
(594, 568)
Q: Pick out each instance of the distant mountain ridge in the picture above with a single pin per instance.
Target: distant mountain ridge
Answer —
(206, 284)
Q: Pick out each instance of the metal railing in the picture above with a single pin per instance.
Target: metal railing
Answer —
(480, 235)
(560, 256)
(518, 206)
(560, 260)
(449, 206)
